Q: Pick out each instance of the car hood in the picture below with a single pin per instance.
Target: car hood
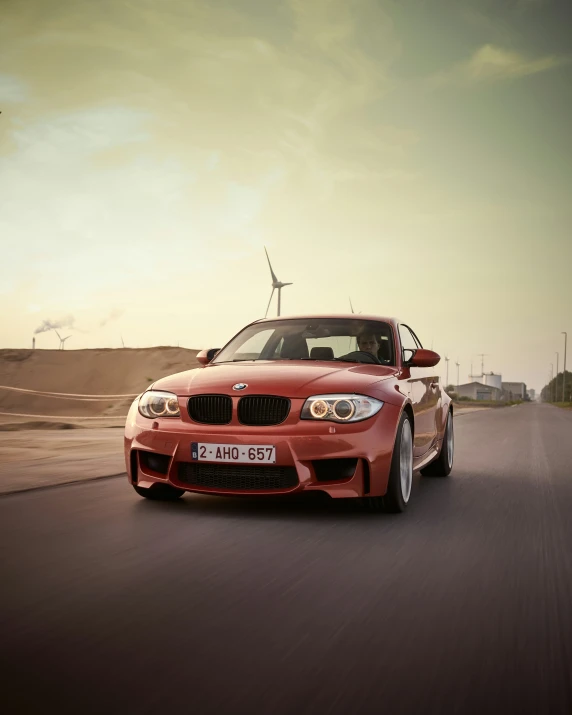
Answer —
(288, 379)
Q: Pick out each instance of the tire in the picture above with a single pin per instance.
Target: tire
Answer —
(160, 492)
(442, 466)
(400, 483)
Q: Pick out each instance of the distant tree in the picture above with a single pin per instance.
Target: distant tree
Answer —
(552, 392)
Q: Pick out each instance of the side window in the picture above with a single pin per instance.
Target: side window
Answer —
(408, 343)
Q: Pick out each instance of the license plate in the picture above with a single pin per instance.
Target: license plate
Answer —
(240, 453)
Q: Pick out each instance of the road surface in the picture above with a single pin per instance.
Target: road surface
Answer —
(113, 604)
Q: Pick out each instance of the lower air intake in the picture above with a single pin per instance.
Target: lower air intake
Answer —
(239, 477)
(155, 462)
(331, 470)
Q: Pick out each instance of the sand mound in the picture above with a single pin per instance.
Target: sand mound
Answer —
(122, 371)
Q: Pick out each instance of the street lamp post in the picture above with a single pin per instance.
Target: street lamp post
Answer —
(551, 391)
(564, 371)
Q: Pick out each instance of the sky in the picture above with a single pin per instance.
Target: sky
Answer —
(414, 155)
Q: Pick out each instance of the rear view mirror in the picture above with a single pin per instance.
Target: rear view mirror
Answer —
(424, 358)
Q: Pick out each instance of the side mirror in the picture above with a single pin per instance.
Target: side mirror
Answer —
(424, 358)
(205, 356)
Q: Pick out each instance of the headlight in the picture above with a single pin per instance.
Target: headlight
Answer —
(340, 408)
(155, 403)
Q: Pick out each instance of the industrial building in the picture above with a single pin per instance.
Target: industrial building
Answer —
(479, 391)
(489, 386)
(515, 390)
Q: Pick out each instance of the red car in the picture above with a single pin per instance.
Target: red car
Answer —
(347, 405)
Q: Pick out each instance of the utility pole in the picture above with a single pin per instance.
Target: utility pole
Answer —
(564, 373)
(556, 385)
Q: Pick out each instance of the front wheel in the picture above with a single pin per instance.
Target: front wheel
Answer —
(396, 499)
(159, 492)
(442, 466)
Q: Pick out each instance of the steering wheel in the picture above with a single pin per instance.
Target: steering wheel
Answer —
(372, 359)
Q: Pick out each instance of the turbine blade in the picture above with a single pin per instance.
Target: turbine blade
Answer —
(270, 266)
(59, 336)
(351, 306)
(268, 306)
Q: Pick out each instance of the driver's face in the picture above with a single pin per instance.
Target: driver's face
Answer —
(368, 344)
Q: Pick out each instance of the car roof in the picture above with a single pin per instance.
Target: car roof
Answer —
(335, 316)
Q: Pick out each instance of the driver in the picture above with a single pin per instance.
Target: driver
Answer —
(367, 343)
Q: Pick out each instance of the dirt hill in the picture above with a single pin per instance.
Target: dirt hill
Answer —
(122, 371)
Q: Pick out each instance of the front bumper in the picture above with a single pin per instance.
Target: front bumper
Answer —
(303, 445)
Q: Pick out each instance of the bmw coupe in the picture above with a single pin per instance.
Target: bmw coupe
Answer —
(348, 405)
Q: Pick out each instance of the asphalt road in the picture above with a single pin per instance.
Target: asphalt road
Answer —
(112, 604)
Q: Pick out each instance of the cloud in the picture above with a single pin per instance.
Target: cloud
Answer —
(530, 4)
(12, 89)
(119, 162)
(493, 64)
(292, 85)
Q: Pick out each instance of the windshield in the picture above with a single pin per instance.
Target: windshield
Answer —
(347, 340)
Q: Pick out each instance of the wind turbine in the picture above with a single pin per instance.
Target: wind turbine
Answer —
(353, 311)
(447, 373)
(352, 308)
(457, 364)
(62, 340)
(276, 284)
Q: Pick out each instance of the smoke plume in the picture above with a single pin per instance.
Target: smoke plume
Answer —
(112, 315)
(67, 322)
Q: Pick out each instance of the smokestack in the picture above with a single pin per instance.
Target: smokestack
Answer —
(33, 343)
